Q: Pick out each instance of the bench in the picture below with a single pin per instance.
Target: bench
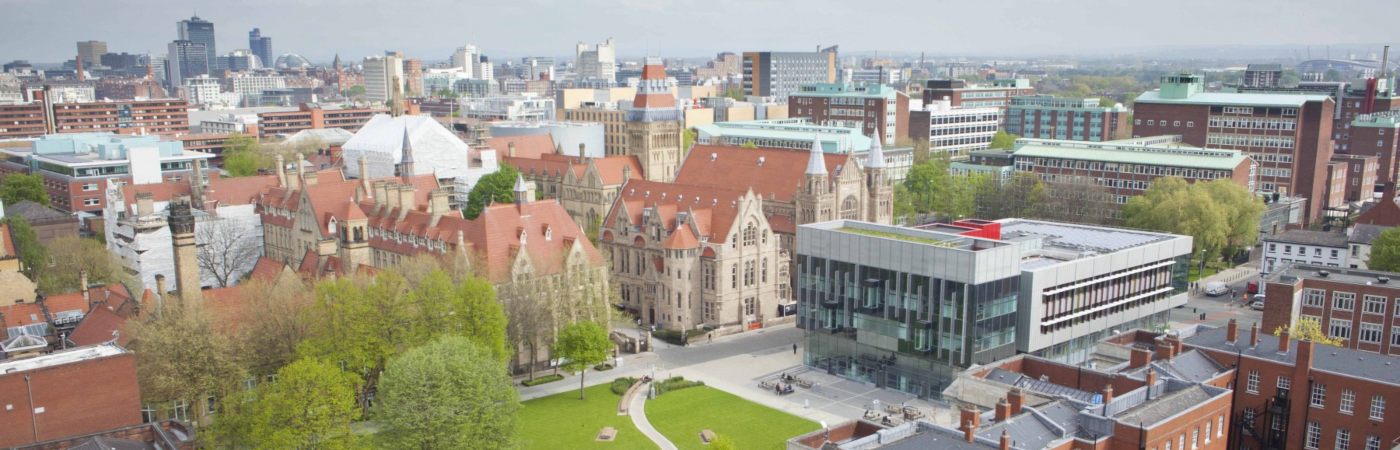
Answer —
(803, 383)
(626, 400)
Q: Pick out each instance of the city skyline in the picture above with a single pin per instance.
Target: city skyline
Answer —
(36, 30)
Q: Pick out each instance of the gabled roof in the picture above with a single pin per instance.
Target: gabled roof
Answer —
(35, 213)
(220, 191)
(526, 146)
(610, 168)
(712, 210)
(100, 325)
(1385, 212)
(496, 236)
(331, 194)
(780, 175)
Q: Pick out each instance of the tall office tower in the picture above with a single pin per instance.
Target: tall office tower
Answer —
(483, 70)
(536, 67)
(777, 74)
(91, 52)
(186, 60)
(199, 31)
(261, 46)
(600, 62)
(466, 57)
(383, 77)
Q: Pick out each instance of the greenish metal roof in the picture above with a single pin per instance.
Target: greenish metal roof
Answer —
(1387, 119)
(1173, 155)
(1234, 99)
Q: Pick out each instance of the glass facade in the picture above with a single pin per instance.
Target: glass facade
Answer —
(912, 332)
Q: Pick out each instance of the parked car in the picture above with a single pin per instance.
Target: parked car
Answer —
(1257, 305)
(1217, 288)
(1252, 287)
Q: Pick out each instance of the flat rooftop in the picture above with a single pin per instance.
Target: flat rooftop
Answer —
(76, 355)
(1081, 238)
(931, 237)
(1360, 277)
(1157, 152)
(1234, 99)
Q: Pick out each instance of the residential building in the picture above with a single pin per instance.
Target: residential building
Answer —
(1263, 75)
(1079, 119)
(211, 143)
(1362, 171)
(875, 109)
(1119, 170)
(71, 392)
(206, 92)
(241, 123)
(1320, 248)
(961, 94)
(261, 47)
(1288, 135)
(779, 74)
(78, 168)
(1300, 394)
(522, 107)
(21, 120)
(251, 86)
(598, 62)
(186, 60)
(384, 78)
(725, 66)
(465, 57)
(1378, 135)
(654, 125)
(201, 32)
(91, 53)
(955, 131)
(154, 116)
(797, 134)
(1336, 189)
(314, 116)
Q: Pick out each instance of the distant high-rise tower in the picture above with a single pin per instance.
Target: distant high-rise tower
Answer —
(466, 57)
(186, 60)
(654, 125)
(187, 276)
(261, 47)
(199, 31)
(383, 77)
(600, 62)
(91, 52)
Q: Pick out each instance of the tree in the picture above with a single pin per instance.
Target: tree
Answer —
(227, 250)
(582, 344)
(468, 309)
(1305, 329)
(450, 393)
(354, 91)
(359, 322)
(931, 189)
(1243, 212)
(748, 144)
(33, 257)
(1004, 140)
(19, 187)
(70, 255)
(497, 187)
(1385, 251)
(241, 155)
(310, 405)
(1018, 197)
(274, 322)
(688, 139)
(1221, 217)
(180, 355)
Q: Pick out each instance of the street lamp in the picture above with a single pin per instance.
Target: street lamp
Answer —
(1202, 272)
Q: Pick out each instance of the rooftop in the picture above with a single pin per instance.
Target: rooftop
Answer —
(60, 358)
(846, 90)
(1149, 152)
(1336, 360)
(1363, 277)
(1310, 237)
(1090, 238)
(912, 235)
(1234, 99)
(1383, 119)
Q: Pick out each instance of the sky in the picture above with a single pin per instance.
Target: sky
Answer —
(47, 30)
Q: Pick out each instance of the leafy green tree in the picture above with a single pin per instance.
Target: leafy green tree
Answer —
(468, 309)
(1243, 211)
(1172, 205)
(70, 255)
(497, 187)
(748, 144)
(1107, 102)
(354, 91)
(450, 393)
(583, 344)
(688, 139)
(33, 257)
(1004, 140)
(19, 187)
(181, 355)
(1305, 329)
(310, 405)
(929, 188)
(241, 155)
(360, 323)
(1385, 251)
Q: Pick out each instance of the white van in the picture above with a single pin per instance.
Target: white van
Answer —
(1217, 288)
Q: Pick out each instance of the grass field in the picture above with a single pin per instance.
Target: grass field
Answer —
(680, 415)
(563, 421)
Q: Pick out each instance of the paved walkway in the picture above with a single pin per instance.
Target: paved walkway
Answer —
(639, 418)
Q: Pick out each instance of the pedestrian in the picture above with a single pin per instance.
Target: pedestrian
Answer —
(711, 336)
(794, 348)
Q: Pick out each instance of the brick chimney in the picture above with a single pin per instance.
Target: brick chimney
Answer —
(1003, 410)
(438, 204)
(1164, 349)
(1254, 335)
(1305, 356)
(1017, 398)
(1107, 394)
(969, 419)
(1283, 341)
(1232, 332)
(1005, 440)
(1139, 357)
(78, 67)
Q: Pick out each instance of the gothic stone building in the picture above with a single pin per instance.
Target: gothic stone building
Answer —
(585, 186)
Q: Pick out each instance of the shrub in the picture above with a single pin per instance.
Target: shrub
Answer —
(542, 380)
(675, 384)
(620, 385)
(602, 367)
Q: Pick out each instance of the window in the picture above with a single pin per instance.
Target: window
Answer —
(1314, 434)
(180, 410)
(90, 187)
(91, 202)
(1373, 443)
(1313, 297)
(1284, 382)
(1343, 301)
(1372, 304)
(1343, 439)
(1370, 332)
(211, 405)
(148, 414)
(1348, 404)
(1208, 424)
(1377, 407)
(1220, 426)
(1252, 383)
(1196, 438)
(1340, 329)
(1319, 395)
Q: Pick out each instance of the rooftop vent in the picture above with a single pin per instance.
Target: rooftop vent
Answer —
(1383, 280)
(713, 156)
(1322, 273)
(760, 161)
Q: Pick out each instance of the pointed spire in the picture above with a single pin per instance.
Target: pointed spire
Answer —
(406, 164)
(520, 183)
(876, 158)
(816, 162)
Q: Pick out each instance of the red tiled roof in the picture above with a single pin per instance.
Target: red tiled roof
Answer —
(712, 209)
(527, 146)
(1385, 212)
(495, 234)
(98, 326)
(682, 238)
(331, 195)
(654, 101)
(267, 269)
(610, 168)
(7, 243)
(226, 306)
(780, 176)
(21, 314)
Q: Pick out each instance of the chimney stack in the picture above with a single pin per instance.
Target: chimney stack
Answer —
(1003, 410)
(510, 149)
(1107, 394)
(438, 204)
(1005, 440)
(1139, 357)
(145, 204)
(78, 67)
(1017, 398)
(160, 285)
(407, 202)
(1305, 356)
(1254, 335)
(970, 419)
(1232, 332)
(1283, 341)
(83, 284)
(281, 171)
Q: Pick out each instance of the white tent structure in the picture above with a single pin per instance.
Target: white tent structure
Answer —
(380, 142)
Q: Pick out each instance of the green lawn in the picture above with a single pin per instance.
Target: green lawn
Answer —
(563, 421)
(680, 415)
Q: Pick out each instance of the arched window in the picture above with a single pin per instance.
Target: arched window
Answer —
(750, 234)
(850, 208)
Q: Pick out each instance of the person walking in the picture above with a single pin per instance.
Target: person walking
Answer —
(794, 348)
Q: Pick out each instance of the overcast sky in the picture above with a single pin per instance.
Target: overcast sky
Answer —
(46, 30)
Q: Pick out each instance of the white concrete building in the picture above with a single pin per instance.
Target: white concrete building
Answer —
(383, 77)
(1318, 248)
(955, 131)
(207, 92)
(465, 58)
(522, 107)
(251, 87)
(599, 62)
(230, 123)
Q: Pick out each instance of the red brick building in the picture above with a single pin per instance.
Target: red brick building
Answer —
(73, 392)
(1361, 178)
(1297, 394)
(78, 180)
(1377, 135)
(154, 116)
(961, 94)
(312, 116)
(1336, 187)
(877, 109)
(22, 120)
(1288, 135)
(1357, 306)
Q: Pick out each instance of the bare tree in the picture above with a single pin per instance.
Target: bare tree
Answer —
(226, 250)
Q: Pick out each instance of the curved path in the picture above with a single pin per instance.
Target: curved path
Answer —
(639, 418)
